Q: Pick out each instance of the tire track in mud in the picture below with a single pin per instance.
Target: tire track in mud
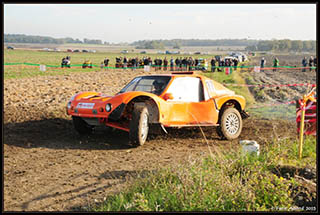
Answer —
(282, 76)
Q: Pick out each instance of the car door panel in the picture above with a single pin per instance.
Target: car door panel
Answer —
(203, 112)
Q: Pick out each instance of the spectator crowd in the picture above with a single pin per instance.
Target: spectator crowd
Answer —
(173, 64)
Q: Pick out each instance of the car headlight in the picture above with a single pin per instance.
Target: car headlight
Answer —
(108, 107)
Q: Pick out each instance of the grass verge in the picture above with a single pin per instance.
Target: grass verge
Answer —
(229, 182)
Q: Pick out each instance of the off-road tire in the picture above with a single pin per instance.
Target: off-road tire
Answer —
(139, 126)
(230, 124)
(81, 126)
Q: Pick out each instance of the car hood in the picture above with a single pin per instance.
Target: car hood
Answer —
(95, 97)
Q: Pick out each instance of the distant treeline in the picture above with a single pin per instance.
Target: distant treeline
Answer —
(283, 45)
(251, 45)
(22, 38)
(177, 43)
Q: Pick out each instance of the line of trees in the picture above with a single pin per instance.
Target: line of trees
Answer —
(251, 45)
(151, 45)
(177, 43)
(22, 38)
(283, 45)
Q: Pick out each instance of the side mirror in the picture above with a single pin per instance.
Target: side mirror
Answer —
(168, 96)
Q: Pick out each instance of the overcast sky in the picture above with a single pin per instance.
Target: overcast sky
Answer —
(132, 22)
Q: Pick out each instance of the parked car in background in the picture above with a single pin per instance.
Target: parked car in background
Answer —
(85, 50)
(143, 52)
(10, 47)
(239, 55)
(124, 51)
(92, 51)
(69, 50)
(197, 53)
(175, 52)
(230, 58)
(76, 50)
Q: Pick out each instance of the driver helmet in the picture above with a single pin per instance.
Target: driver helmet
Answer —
(158, 85)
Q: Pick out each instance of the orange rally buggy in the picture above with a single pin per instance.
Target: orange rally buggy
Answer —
(150, 102)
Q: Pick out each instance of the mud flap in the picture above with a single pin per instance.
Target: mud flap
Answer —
(244, 114)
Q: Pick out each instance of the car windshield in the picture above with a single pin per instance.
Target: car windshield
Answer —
(150, 84)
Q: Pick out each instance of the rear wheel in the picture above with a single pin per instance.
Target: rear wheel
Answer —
(230, 124)
(139, 125)
(81, 126)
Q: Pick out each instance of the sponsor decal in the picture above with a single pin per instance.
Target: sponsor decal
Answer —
(85, 105)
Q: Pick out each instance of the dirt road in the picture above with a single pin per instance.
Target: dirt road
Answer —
(49, 167)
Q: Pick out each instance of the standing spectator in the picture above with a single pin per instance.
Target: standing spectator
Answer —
(106, 62)
(125, 62)
(155, 62)
(263, 61)
(227, 62)
(180, 63)
(310, 63)
(183, 62)
(190, 63)
(196, 62)
(177, 61)
(160, 63)
(165, 63)
(235, 63)
(275, 64)
(186, 63)
(304, 64)
(193, 63)
(133, 63)
(150, 61)
(146, 62)
(213, 65)
(315, 63)
(171, 64)
(221, 65)
(102, 65)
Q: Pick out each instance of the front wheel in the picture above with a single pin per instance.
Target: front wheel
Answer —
(139, 126)
(230, 124)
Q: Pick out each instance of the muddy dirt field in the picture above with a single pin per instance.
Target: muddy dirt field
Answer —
(49, 167)
(281, 76)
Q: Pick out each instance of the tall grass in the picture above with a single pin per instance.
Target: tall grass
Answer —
(230, 182)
